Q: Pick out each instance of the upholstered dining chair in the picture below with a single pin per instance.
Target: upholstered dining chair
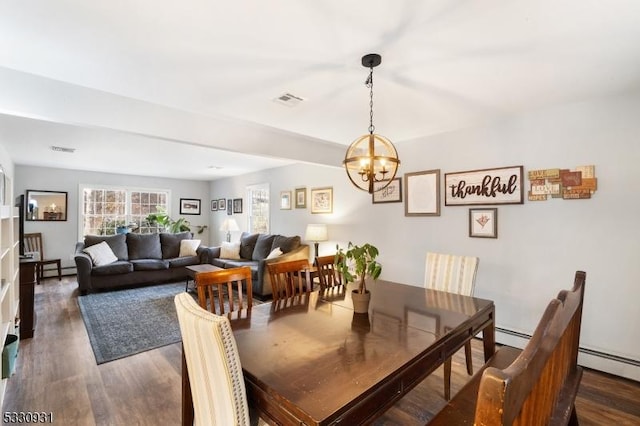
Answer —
(327, 272)
(289, 280)
(453, 274)
(219, 285)
(32, 244)
(216, 382)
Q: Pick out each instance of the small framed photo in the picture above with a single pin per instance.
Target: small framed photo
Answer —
(301, 198)
(229, 207)
(285, 200)
(483, 223)
(392, 193)
(214, 205)
(222, 204)
(422, 197)
(237, 205)
(322, 200)
(189, 206)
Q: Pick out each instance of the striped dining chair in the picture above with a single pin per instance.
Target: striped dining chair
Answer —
(216, 382)
(453, 274)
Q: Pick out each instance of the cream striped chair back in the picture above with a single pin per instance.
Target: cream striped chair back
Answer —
(215, 373)
(447, 272)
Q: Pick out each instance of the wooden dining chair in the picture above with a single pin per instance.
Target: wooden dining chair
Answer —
(289, 280)
(219, 286)
(33, 244)
(453, 274)
(217, 393)
(327, 272)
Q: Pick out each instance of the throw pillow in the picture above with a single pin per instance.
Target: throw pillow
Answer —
(263, 247)
(230, 250)
(286, 244)
(170, 243)
(117, 243)
(188, 248)
(247, 244)
(144, 246)
(274, 253)
(100, 254)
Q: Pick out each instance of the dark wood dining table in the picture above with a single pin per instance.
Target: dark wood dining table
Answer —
(319, 363)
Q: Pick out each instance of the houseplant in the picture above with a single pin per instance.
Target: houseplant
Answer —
(356, 263)
(162, 219)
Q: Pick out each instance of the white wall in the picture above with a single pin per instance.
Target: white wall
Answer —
(540, 244)
(60, 237)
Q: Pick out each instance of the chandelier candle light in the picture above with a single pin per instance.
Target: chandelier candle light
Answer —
(371, 158)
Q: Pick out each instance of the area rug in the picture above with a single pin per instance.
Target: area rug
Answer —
(126, 322)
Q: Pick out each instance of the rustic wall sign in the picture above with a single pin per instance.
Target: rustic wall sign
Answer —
(567, 184)
(489, 186)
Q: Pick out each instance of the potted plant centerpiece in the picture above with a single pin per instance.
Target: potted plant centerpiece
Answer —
(363, 260)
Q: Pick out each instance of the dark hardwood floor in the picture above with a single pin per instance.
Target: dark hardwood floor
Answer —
(56, 372)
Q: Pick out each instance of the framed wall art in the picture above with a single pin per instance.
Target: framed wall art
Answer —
(483, 223)
(322, 200)
(237, 205)
(222, 204)
(301, 198)
(422, 197)
(285, 200)
(189, 206)
(488, 186)
(229, 207)
(46, 205)
(214, 205)
(390, 194)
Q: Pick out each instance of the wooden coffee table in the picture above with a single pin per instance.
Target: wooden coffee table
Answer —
(194, 270)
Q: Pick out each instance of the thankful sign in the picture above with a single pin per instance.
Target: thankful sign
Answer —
(488, 186)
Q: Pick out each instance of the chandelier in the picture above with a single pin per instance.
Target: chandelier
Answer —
(371, 158)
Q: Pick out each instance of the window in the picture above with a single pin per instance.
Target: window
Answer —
(104, 210)
(258, 204)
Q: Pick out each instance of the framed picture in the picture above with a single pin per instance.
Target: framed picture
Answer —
(214, 205)
(301, 198)
(189, 206)
(285, 200)
(390, 194)
(483, 223)
(229, 207)
(422, 197)
(322, 200)
(488, 186)
(222, 204)
(44, 205)
(237, 205)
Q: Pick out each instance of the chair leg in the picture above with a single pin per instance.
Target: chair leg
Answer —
(467, 354)
(447, 379)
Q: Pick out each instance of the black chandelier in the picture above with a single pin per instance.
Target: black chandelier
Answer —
(371, 158)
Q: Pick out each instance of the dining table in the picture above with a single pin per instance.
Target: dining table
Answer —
(316, 362)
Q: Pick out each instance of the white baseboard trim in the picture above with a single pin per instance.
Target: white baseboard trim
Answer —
(596, 360)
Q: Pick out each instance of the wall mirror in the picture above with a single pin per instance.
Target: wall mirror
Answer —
(46, 205)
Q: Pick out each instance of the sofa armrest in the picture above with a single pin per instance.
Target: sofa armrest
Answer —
(84, 265)
(207, 254)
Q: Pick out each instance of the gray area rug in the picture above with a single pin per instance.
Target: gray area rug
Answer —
(126, 322)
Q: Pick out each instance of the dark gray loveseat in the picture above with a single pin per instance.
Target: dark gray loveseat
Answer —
(254, 249)
(142, 259)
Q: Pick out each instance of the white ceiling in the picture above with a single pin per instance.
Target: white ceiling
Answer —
(184, 86)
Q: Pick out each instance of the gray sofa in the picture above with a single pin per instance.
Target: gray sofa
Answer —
(254, 248)
(142, 259)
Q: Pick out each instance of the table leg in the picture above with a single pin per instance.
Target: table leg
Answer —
(187, 398)
(489, 338)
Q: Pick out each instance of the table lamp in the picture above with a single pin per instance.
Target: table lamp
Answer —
(316, 232)
(229, 225)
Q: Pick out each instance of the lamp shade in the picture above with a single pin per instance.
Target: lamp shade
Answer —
(316, 232)
(229, 225)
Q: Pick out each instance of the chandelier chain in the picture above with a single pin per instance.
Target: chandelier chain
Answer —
(369, 84)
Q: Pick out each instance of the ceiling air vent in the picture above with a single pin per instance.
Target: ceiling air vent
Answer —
(288, 99)
(63, 149)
